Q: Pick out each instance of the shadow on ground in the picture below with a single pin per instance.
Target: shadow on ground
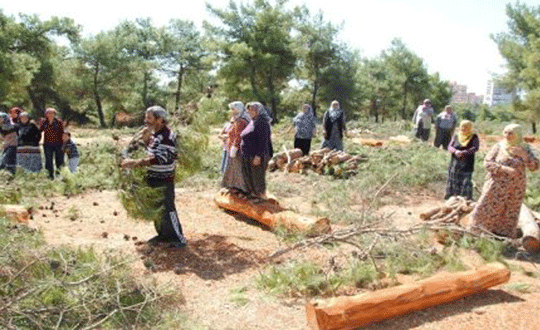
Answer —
(212, 258)
(437, 313)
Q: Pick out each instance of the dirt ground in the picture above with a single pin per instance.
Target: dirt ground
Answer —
(215, 272)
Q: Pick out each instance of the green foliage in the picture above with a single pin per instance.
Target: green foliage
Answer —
(489, 249)
(70, 288)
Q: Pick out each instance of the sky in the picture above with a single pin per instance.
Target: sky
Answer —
(451, 36)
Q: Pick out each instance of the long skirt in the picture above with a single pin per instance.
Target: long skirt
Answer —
(303, 144)
(422, 133)
(459, 184)
(255, 176)
(233, 178)
(29, 158)
(442, 138)
(168, 226)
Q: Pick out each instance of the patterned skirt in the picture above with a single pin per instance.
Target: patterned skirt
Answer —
(29, 158)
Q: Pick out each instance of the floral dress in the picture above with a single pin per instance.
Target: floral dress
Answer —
(498, 208)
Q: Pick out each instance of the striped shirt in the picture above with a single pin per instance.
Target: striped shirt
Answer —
(163, 153)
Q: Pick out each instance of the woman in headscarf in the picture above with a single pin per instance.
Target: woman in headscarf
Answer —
(233, 179)
(497, 210)
(462, 148)
(257, 150)
(305, 124)
(28, 151)
(333, 127)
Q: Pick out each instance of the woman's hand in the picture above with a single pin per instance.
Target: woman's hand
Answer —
(129, 163)
(519, 152)
(256, 161)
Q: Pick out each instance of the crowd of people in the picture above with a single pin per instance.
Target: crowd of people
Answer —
(21, 137)
(247, 149)
(498, 207)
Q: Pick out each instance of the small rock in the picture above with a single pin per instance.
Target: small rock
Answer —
(44, 215)
(177, 270)
(115, 213)
(105, 234)
(102, 221)
(96, 203)
(134, 238)
(126, 237)
(54, 264)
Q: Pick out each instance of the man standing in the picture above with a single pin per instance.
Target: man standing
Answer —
(422, 120)
(445, 124)
(161, 160)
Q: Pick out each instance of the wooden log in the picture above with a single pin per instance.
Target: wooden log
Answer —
(531, 232)
(358, 311)
(16, 213)
(271, 214)
(429, 213)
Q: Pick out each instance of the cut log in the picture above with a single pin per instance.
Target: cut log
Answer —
(271, 214)
(531, 233)
(17, 213)
(358, 311)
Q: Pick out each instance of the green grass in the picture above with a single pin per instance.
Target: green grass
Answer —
(68, 288)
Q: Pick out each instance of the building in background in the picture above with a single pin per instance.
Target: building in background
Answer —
(496, 94)
(461, 95)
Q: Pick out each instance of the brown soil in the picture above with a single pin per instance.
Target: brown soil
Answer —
(226, 252)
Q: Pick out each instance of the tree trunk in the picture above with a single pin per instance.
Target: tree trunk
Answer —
(178, 91)
(357, 311)
(271, 214)
(531, 232)
(533, 127)
(145, 90)
(97, 99)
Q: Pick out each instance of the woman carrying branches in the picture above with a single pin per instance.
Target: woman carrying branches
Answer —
(497, 210)
(462, 148)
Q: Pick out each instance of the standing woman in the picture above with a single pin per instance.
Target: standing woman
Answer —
(233, 179)
(462, 148)
(305, 124)
(28, 151)
(53, 130)
(497, 210)
(333, 127)
(257, 150)
(444, 127)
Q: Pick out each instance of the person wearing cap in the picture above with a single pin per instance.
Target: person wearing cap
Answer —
(161, 163)
(53, 130)
(8, 133)
(422, 120)
(28, 150)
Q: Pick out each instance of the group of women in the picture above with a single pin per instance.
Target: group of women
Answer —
(497, 209)
(247, 150)
(21, 137)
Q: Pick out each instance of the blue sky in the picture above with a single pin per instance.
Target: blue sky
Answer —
(452, 36)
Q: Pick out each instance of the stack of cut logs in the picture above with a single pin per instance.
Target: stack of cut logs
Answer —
(456, 208)
(323, 161)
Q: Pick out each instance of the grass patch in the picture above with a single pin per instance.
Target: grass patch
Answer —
(65, 288)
